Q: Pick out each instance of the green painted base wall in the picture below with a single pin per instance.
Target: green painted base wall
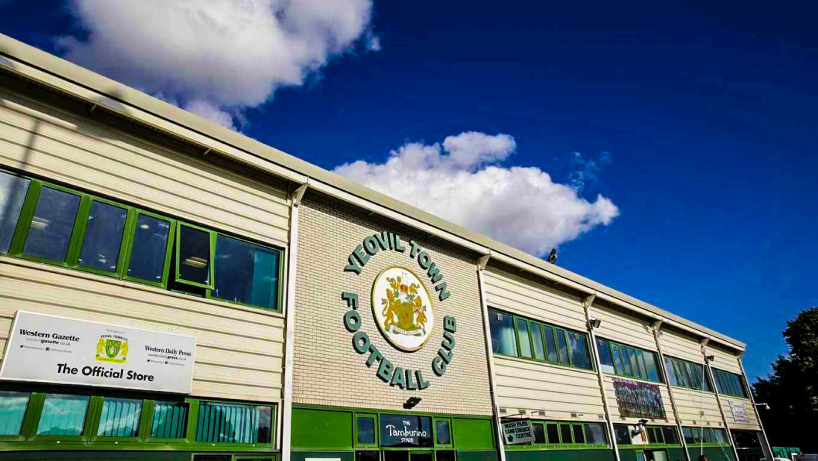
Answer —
(476, 456)
(673, 454)
(561, 455)
(714, 453)
(303, 455)
(95, 456)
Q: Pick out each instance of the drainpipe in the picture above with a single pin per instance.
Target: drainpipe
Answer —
(656, 326)
(289, 324)
(765, 442)
(587, 302)
(718, 399)
(495, 409)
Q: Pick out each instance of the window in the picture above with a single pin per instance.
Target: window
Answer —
(539, 432)
(670, 435)
(13, 191)
(119, 418)
(579, 433)
(193, 265)
(56, 225)
(63, 415)
(595, 434)
(705, 435)
(169, 420)
(655, 435)
(537, 340)
(366, 430)
(12, 410)
(520, 337)
(627, 361)
(682, 373)
(729, 383)
(553, 431)
(51, 228)
(565, 434)
(245, 273)
(103, 237)
(623, 434)
(234, 423)
(503, 340)
(443, 435)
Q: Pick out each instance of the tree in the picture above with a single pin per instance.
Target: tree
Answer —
(791, 391)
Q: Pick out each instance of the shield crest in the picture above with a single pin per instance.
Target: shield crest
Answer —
(112, 347)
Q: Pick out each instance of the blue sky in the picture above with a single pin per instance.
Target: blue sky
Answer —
(698, 123)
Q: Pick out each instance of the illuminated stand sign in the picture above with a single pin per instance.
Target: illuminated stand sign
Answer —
(402, 308)
(51, 349)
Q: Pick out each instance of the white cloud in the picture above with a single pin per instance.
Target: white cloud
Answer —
(462, 181)
(221, 54)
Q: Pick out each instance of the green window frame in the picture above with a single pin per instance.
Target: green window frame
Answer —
(14, 408)
(545, 343)
(629, 361)
(731, 384)
(170, 276)
(690, 375)
(375, 431)
(121, 425)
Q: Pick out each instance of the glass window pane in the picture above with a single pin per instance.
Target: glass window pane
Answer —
(63, 414)
(623, 434)
(150, 243)
(580, 356)
(553, 433)
(52, 225)
(442, 434)
(169, 420)
(651, 366)
(12, 411)
(633, 362)
(440, 455)
(681, 374)
(233, 423)
(13, 191)
(671, 373)
(579, 435)
(595, 434)
(551, 344)
(369, 456)
(617, 359)
(536, 340)
(246, 273)
(539, 432)
(605, 357)
(103, 237)
(626, 362)
(119, 418)
(503, 340)
(366, 430)
(670, 436)
(194, 255)
(565, 434)
(525, 340)
(640, 362)
(562, 342)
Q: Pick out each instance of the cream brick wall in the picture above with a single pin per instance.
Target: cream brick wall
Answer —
(327, 370)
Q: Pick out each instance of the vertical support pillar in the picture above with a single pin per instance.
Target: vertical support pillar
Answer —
(495, 409)
(587, 302)
(289, 324)
(765, 442)
(718, 398)
(656, 326)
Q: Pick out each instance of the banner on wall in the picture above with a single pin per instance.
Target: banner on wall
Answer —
(639, 400)
(739, 412)
(52, 349)
(518, 431)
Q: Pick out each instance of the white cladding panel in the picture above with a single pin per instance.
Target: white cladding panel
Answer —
(517, 295)
(623, 328)
(79, 152)
(697, 407)
(734, 423)
(238, 352)
(680, 346)
(562, 393)
(724, 360)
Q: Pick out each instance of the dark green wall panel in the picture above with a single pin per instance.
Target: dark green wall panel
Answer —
(302, 456)
(321, 429)
(673, 454)
(473, 434)
(95, 456)
(714, 453)
(561, 455)
(477, 455)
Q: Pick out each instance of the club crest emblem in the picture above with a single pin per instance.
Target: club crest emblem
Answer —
(402, 308)
(112, 349)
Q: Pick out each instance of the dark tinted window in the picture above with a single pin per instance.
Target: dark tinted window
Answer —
(150, 244)
(553, 433)
(366, 430)
(52, 225)
(442, 433)
(12, 195)
(194, 255)
(503, 339)
(539, 433)
(103, 237)
(246, 273)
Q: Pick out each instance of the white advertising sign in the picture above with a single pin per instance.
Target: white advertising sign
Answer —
(47, 348)
(739, 412)
(518, 431)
